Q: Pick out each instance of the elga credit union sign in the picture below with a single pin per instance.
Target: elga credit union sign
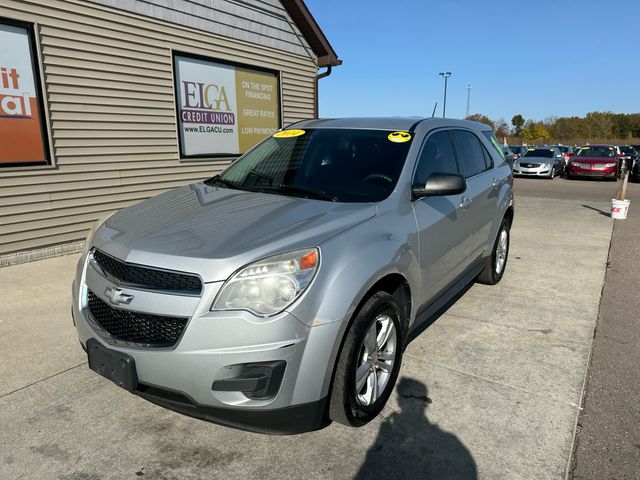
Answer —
(223, 109)
(22, 139)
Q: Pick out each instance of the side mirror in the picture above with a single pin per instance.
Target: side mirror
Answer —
(439, 184)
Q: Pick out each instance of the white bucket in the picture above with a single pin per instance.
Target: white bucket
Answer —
(619, 208)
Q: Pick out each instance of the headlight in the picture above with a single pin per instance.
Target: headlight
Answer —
(609, 165)
(270, 285)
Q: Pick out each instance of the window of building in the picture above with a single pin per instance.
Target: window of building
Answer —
(223, 109)
(23, 137)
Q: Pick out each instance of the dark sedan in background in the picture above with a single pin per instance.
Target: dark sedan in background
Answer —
(629, 156)
(594, 161)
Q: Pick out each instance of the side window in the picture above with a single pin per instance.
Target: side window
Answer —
(437, 156)
(489, 135)
(488, 161)
(471, 152)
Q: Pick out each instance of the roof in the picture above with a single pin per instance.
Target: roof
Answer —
(312, 33)
(386, 123)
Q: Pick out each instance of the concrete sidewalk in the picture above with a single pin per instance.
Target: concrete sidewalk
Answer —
(490, 390)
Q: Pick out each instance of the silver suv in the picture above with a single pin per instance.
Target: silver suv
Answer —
(280, 294)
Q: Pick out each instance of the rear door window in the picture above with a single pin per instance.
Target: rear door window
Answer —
(437, 156)
(471, 152)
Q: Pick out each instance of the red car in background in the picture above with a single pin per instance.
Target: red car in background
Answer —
(594, 161)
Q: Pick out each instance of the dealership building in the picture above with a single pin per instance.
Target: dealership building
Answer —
(104, 103)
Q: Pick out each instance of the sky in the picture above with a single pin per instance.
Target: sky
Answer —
(537, 58)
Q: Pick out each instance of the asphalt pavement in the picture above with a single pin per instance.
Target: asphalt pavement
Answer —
(608, 440)
(492, 389)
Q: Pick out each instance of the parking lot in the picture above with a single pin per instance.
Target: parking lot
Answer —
(491, 389)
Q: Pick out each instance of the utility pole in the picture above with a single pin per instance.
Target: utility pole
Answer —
(468, 99)
(445, 75)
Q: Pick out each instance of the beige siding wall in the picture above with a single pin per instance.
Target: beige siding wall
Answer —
(110, 98)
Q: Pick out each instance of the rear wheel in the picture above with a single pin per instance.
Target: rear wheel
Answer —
(369, 362)
(496, 265)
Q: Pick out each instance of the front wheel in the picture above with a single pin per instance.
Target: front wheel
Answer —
(369, 362)
(497, 263)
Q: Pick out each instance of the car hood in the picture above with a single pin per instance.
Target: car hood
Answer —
(535, 160)
(214, 231)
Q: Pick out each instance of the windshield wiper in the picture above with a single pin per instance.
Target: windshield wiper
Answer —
(218, 179)
(299, 191)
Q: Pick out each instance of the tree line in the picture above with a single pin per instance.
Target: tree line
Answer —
(594, 127)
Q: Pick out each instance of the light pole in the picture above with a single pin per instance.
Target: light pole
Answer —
(445, 75)
(468, 98)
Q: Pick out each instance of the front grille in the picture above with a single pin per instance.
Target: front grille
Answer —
(146, 277)
(530, 165)
(136, 327)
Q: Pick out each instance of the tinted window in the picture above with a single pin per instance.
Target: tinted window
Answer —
(437, 157)
(350, 165)
(471, 152)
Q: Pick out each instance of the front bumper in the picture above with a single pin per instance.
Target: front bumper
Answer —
(609, 172)
(214, 347)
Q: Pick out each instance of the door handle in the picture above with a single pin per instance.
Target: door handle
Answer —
(465, 202)
(494, 183)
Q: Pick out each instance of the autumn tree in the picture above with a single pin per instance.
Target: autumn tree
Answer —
(535, 132)
(501, 128)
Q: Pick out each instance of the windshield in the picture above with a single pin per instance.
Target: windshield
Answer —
(517, 149)
(627, 150)
(600, 152)
(345, 165)
(564, 149)
(539, 152)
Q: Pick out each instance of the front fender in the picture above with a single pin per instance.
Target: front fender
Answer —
(349, 269)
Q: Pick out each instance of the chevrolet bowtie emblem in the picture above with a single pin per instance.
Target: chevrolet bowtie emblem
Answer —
(117, 297)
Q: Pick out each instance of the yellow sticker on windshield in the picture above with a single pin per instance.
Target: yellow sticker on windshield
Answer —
(288, 133)
(399, 137)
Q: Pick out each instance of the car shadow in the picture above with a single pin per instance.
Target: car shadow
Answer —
(409, 446)
(601, 212)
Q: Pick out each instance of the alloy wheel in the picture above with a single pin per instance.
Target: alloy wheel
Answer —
(375, 360)
(501, 251)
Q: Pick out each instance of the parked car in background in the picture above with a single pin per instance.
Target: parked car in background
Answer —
(635, 172)
(629, 156)
(567, 153)
(594, 161)
(518, 150)
(540, 162)
(509, 156)
(279, 294)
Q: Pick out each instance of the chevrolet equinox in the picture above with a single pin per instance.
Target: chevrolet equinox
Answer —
(280, 294)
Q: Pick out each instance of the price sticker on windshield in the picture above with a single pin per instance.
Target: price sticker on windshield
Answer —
(289, 133)
(399, 137)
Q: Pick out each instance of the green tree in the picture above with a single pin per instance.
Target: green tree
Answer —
(478, 117)
(518, 123)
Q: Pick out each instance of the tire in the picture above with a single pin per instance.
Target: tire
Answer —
(491, 274)
(348, 405)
